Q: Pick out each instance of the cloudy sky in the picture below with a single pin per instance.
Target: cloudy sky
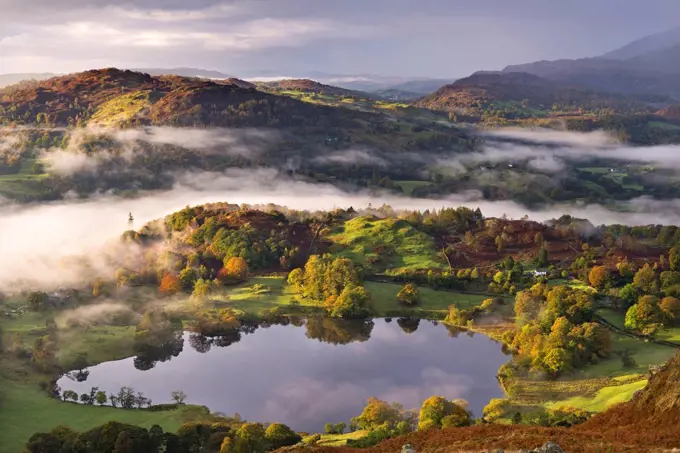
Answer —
(429, 38)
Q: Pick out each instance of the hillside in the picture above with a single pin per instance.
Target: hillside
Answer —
(526, 93)
(646, 424)
(298, 131)
(137, 99)
(309, 86)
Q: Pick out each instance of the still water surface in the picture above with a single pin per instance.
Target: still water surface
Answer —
(281, 374)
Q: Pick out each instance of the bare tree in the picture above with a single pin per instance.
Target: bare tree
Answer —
(179, 396)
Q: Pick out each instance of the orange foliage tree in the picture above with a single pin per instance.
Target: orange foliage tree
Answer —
(170, 284)
(598, 277)
(235, 270)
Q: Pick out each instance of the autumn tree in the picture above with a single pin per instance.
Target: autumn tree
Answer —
(436, 409)
(280, 435)
(625, 269)
(170, 284)
(250, 438)
(376, 413)
(539, 239)
(235, 270)
(646, 280)
(671, 309)
(598, 277)
(409, 294)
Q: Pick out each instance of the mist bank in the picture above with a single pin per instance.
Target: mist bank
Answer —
(550, 151)
(92, 147)
(71, 242)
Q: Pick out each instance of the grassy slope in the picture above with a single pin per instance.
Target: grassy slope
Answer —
(603, 398)
(384, 299)
(396, 243)
(26, 410)
(22, 183)
(120, 109)
(337, 440)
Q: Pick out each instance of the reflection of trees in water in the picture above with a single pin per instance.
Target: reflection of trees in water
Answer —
(408, 325)
(203, 344)
(322, 328)
(159, 342)
(338, 331)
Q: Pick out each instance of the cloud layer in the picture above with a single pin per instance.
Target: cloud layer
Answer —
(259, 38)
(70, 242)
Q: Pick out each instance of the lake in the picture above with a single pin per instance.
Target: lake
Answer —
(318, 372)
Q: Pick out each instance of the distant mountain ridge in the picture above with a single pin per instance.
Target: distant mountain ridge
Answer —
(650, 65)
(11, 79)
(650, 43)
(184, 72)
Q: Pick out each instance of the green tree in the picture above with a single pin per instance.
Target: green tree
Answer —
(202, 288)
(280, 435)
(187, 278)
(133, 440)
(352, 303)
(646, 316)
(674, 259)
(629, 294)
(100, 398)
(37, 300)
(542, 259)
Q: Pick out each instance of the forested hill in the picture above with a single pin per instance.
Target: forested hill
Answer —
(125, 98)
(528, 93)
(310, 86)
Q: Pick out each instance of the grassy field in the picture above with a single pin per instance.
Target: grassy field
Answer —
(618, 319)
(337, 440)
(389, 243)
(276, 293)
(24, 183)
(27, 410)
(603, 398)
(384, 299)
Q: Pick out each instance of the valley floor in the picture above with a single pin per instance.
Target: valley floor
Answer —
(26, 409)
